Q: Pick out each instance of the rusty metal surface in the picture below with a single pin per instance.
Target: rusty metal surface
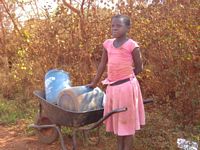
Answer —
(60, 116)
(63, 117)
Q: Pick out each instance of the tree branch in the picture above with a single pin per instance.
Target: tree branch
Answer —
(82, 9)
(71, 7)
(9, 14)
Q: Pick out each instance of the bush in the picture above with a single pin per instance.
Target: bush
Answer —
(167, 35)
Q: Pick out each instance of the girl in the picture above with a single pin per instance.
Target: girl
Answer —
(123, 90)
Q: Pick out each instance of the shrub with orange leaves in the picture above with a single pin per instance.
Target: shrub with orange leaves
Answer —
(167, 35)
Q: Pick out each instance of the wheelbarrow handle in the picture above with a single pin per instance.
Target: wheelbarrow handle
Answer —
(102, 119)
(118, 110)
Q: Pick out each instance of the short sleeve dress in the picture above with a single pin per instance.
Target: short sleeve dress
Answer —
(120, 66)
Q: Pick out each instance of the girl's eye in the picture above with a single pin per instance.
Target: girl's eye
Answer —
(117, 25)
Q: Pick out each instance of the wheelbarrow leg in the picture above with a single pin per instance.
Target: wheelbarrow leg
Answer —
(61, 138)
(53, 126)
(74, 140)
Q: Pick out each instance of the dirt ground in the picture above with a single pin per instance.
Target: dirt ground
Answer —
(13, 138)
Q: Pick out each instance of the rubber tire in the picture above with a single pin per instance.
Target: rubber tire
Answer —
(46, 135)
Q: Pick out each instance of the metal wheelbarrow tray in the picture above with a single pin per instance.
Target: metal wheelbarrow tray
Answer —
(51, 117)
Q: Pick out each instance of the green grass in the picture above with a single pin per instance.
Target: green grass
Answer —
(9, 112)
(12, 111)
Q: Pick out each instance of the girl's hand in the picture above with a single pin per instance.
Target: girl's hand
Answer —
(91, 85)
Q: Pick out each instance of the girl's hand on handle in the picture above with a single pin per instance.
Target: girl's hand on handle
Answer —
(91, 85)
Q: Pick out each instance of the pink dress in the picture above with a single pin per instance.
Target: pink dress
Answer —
(128, 94)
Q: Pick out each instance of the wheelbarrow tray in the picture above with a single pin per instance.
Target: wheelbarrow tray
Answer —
(62, 117)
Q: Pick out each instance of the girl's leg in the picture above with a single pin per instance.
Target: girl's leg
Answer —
(128, 142)
(120, 142)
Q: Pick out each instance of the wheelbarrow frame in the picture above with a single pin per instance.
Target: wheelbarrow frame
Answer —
(76, 120)
(60, 117)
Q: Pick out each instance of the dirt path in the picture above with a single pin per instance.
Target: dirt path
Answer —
(11, 138)
(14, 138)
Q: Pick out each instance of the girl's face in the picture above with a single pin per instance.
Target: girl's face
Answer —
(119, 28)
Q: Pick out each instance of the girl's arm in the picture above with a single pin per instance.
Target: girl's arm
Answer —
(137, 58)
(101, 69)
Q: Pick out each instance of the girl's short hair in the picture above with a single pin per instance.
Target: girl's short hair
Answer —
(125, 18)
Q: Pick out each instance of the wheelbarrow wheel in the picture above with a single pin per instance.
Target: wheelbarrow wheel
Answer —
(92, 137)
(46, 135)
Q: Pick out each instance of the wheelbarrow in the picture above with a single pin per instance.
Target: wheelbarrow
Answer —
(51, 117)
